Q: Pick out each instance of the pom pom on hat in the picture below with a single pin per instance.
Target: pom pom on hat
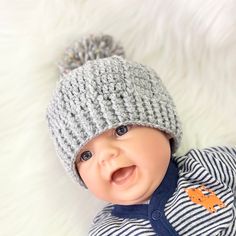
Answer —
(88, 48)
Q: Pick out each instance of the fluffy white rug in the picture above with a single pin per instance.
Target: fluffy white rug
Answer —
(191, 44)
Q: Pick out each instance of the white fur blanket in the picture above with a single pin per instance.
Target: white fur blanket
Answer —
(192, 46)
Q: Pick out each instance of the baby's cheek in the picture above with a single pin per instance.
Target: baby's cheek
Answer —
(89, 177)
(83, 173)
(99, 190)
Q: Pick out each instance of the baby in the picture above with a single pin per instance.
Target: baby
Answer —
(116, 131)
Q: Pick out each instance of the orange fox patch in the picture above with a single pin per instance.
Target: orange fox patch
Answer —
(208, 200)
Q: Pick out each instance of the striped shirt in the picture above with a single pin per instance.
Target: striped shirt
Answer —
(197, 197)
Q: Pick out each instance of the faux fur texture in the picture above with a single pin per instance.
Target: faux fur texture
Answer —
(192, 46)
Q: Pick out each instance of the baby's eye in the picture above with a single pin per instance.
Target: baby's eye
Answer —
(121, 130)
(85, 156)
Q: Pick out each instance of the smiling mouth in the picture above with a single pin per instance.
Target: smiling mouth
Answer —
(121, 175)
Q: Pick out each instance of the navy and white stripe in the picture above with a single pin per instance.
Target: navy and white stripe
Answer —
(215, 168)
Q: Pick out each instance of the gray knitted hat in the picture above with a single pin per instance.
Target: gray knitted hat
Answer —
(102, 94)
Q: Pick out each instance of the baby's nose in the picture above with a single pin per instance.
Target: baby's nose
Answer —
(107, 154)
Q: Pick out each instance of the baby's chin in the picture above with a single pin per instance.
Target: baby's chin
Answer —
(138, 193)
(133, 198)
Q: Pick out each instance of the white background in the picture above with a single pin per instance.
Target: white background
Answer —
(190, 43)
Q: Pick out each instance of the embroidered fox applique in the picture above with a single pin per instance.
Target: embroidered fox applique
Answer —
(208, 200)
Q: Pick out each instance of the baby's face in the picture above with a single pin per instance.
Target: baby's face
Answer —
(125, 165)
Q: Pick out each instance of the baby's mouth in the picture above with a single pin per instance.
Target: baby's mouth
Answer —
(122, 174)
